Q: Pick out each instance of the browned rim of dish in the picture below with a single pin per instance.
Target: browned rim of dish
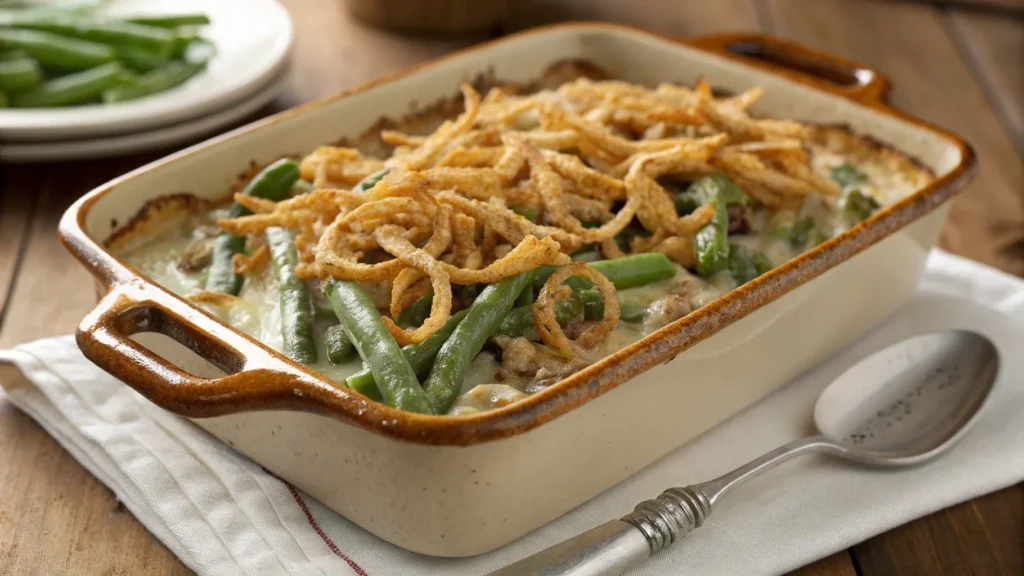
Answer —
(261, 379)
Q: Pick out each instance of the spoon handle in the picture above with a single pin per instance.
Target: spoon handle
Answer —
(611, 548)
(616, 546)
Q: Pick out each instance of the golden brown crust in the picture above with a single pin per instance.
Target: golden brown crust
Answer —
(156, 215)
(861, 148)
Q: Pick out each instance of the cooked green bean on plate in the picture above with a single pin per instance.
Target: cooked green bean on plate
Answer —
(66, 57)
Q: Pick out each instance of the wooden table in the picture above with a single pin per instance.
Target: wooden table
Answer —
(957, 63)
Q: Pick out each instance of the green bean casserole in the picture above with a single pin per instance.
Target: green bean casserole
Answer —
(461, 265)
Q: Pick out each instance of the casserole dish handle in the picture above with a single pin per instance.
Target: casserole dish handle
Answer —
(254, 379)
(801, 63)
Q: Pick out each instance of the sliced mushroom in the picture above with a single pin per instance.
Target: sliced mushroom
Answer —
(739, 219)
(196, 256)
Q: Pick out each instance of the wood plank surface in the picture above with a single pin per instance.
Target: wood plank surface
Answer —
(838, 564)
(984, 536)
(1005, 8)
(685, 18)
(332, 51)
(17, 199)
(55, 518)
(42, 302)
(1001, 8)
(996, 47)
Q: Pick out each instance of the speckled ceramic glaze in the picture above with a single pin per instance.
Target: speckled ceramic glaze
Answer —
(456, 486)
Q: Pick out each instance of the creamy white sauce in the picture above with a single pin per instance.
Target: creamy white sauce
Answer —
(884, 184)
(257, 313)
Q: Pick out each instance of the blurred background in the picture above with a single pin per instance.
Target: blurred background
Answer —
(956, 63)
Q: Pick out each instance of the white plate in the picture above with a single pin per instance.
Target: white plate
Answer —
(142, 141)
(252, 38)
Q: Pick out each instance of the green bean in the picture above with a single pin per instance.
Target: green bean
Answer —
(172, 21)
(339, 348)
(490, 308)
(593, 303)
(12, 10)
(848, 175)
(154, 81)
(519, 321)
(468, 292)
(801, 230)
(300, 187)
(762, 265)
(797, 233)
(686, 203)
(183, 38)
(322, 309)
(22, 8)
(746, 264)
(363, 325)
(126, 76)
(711, 242)
(415, 314)
(57, 52)
(528, 213)
(588, 254)
(296, 308)
(198, 51)
(625, 272)
(420, 357)
(525, 297)
(76, 88)
(106, 32)
(804, 232)
(859, 206)
(220, 275)
(371, 180)
(20, 75)
(816, 236)
(722, 187)
(364, 383)
(625, 238)
(272, 183)
(631, 311)
(8, 55)
(140, 59)
(636, 270)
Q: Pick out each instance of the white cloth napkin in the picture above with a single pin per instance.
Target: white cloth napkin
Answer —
(222, 514)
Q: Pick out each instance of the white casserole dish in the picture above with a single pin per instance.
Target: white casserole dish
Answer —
(457, 486)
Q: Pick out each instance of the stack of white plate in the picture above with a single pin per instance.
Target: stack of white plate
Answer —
(253, 39)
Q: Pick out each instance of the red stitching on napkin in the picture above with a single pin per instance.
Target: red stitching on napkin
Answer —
(316, 527)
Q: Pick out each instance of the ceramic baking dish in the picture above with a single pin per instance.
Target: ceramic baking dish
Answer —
(452, 486)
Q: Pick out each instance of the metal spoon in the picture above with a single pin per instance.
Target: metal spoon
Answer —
(903, 405)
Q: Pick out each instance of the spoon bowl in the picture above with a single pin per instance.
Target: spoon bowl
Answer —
(911, 401)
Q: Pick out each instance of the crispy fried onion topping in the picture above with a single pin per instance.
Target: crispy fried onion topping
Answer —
(518, 181)
(242, 264)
